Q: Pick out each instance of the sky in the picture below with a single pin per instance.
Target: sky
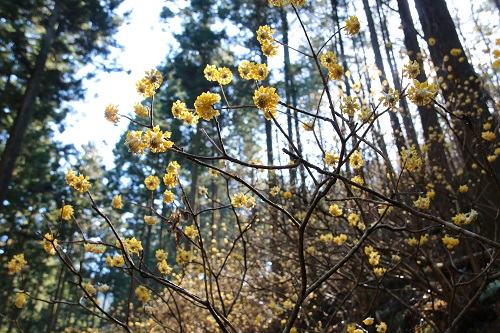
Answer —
(145, 42)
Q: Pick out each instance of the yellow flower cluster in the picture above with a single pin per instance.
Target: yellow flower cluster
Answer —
(142, 294)
(356, 160)
(204, 105)
(450, 242)
(266, 99)
(94, 248)
(168, 196)
(253, 71)
(422, 203)
(496, 56)
(155, 140)
(422, 93)
(411, 69)
(150, 220)
(170, 179)
(111, 113)
(90, 288)
(418, 242)
(353, 219)
(335, 70)
(180, 111)
(340, 239)
(410, 159)
(390, 98)
(141, 110)
(221, 75)
(148, 85)
(116, 261)
(50, 244)
(287, 195)
(183, 257)
(295, 3)
(161, 255)
(239, 200)
(488, 135)
(331, 159)
(163, 267)
(152, 182)
(335, 210)
(352, 25)
(79, 183)
(16, 264)
(190, 231)
(117, 202)
(349, 105)
(66, 212)
(131, 244)
(464, 218)
(20, 299)
(266, 39)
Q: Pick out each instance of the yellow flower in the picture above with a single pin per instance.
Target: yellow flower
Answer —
(150, 220)
(66, 212)
(411, 69)
(259, 72)
(450, 242)
(141, 110)
(117, 202)
(335, 71)
(79, 183)
(432, 41)
(245, 69)
(422, 93)
(335, 210)
(331, 159)
(16, 264)
(390, 98)
(116, 261)
(157, 141)
(50, 244)
(239, 200)
(358, 180)
(326, 238)
(211, 73)
(161, 255)
(152, 182)
(179, 109)
(135, 143)
(353, 219)
(382, 327)
(225, 76)
(352, 25)
(455, 52)
(464, 219)
(410, 159)
(422, 203)
(463, 188)
(269, 49)
(204, 105)
(183, 257)
(373, 258)
(328, 59)
(133, 245)
(340, 239)
(368, 321)
(298, 3)
(275, 191)
(287, 195)
(94, 248)
(168, 196)
(170, 180)
(251, 202)
(277, 3)
(111, 113)
(20, 299)
(266, 99)
(356, 160)
(163, 267)
(90, 288)
(190, 231)
(350, 105)
(142, 294)
(265, 34)
(379, 271)
(488, 136)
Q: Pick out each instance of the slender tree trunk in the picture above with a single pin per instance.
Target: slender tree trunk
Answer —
(23, 117)
(395, 124)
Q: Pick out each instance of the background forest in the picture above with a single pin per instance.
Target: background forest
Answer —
(291, 166)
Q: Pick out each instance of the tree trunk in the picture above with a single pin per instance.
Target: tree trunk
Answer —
(23, 117)
(396, 126)
(467, 102)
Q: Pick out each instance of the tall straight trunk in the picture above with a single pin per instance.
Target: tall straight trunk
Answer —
(396, 126)
(411, 133)
(288, 87)
(23, 117)
(462, 89)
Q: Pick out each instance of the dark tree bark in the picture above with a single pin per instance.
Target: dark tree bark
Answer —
(23, 117)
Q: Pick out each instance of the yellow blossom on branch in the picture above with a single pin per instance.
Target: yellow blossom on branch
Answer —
(266, 99)
(111, 113)
(117, 202)
(163, 267)
(450, 242)
(79, 183)
(141, 110)
(142, 294)
(157, 141)
(16, 264)
(168, 196)
(356, 160)
(152, 182)
(50, 244)
(66, 211)
(21, 298)
(422, 93)
(335, 210)
(204, 105)
(411, 69)
(352, 25)
(135, 143)
(150, 220)
(239, 200)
